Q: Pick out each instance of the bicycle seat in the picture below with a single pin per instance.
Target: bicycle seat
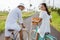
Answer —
(11, 30)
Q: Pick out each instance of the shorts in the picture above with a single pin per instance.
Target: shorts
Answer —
(15, 27)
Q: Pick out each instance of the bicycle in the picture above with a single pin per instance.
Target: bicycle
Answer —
(46, 37)
(35, 21)
(15, 34)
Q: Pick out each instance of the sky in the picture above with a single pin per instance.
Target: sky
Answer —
(11, 4)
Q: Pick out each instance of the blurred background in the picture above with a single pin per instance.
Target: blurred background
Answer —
(31, 9)
(10, 4)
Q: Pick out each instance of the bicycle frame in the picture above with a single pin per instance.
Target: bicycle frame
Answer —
(49, 36)
(15, 35)
(35, 21)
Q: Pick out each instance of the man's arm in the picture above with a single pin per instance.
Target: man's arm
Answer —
(20, 19)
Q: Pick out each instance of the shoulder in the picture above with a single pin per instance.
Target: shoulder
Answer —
(43, 12)
(17, 9)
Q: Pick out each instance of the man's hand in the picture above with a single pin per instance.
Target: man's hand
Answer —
(23, 26)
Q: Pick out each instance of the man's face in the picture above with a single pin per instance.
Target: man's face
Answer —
(22, 7)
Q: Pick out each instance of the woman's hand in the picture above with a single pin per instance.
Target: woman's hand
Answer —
(35, 20)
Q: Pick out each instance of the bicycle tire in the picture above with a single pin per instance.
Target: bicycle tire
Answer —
(33, 35)
(25, 35)
(50, 37)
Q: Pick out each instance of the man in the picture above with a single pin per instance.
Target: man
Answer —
(14, 20)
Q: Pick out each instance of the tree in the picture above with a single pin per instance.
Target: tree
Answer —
(30, 5)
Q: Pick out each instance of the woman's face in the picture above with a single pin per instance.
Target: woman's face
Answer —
(42, 7)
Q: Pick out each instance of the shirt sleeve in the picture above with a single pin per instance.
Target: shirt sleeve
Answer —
(20, 16)
(41, 14)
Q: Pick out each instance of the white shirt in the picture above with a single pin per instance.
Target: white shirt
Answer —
(45, 25)
(14, 16)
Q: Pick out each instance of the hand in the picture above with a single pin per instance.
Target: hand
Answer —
(23, 26)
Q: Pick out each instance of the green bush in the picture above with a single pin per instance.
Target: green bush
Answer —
(58, 11)
(52, 9)
(56, 20)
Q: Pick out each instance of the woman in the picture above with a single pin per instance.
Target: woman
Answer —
(45, 19)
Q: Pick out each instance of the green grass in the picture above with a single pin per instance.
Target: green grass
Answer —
(3, 16)
(2, 24)
(27, 14)
(4, 13)
(56, 20)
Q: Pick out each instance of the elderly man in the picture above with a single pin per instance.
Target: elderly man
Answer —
(11, 22)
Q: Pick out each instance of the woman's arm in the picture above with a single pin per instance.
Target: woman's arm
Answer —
(41, 15)
(40, 19)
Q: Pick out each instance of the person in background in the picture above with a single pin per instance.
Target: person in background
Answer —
(11, 21)
(45, 19)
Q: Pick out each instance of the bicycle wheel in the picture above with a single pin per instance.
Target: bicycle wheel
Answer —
(12, 37)
(16, 36)
(33, 35)
(50, 37)
(25, 35)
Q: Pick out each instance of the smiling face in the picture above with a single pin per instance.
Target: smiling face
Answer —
(42, 7)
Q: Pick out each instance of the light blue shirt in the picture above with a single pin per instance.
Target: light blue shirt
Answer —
(14, 16)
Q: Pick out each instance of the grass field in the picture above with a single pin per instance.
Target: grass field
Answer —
(56, 20)
(3, 16)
